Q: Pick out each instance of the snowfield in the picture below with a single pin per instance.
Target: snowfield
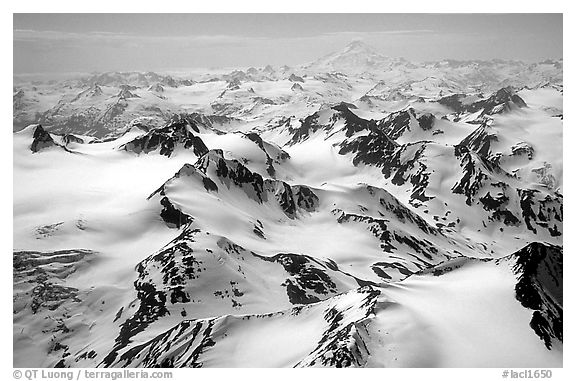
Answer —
(358, 211)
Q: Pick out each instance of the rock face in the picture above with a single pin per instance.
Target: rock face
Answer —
(215, 173)
(69, 138)
(172, 216)
(539, 268)
(42, 139)
(453, 102)
(297, 87)
(179, 132)
(426, 121)
(341, 344)
(157, 88)
(274, 154)
(501, 101)
(48, 271)
(126, 92)
(401, 163)
(182, 274)
(295, 78)
(480, 140)
(340, 117)
(400, 123)
(41, 291)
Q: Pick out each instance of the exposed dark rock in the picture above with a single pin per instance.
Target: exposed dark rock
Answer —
(523, 148)
(539, 288)
(42, 139)
(371, 149)
(234, 84)
(209, 185)
(47, 272)
(152, 301)
(353, 123)
(453, 102)
(397, 123)
(480, 140)
(497, 204)
(126, 92)
(258, 229)
(539, 210)
(157, 88)
(69, 138)
(344, 345)
(172, 216)
(232, 172)
(295, 78)
(283, 155)
(473, 176)
(307, 279)
(426, 121)
(400, 162)
(177, 133)
(297, 87)
(308, 126)
(501, 101)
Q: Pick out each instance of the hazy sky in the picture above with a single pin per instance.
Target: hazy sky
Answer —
(45, 43)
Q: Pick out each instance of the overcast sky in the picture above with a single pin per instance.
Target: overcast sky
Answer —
(58, 43)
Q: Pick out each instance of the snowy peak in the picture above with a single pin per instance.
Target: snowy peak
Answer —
(399, 123)
(178, 132)
(227, 179)
(332, 120)
(358, 45)
(93, 91)
(356, 58)
(274, 154)
(42, 139)
(359, 49)
(501, 101)
(157, 88)
(233, 173)
(126, 92)
(294, 78)
(297, 87)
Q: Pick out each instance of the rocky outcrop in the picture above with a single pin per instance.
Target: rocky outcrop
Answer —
(178, 133)
(539, 269)
(41, 139)
(294, 78)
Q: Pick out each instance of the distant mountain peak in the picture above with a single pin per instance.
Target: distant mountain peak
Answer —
(360, 48)
(358, 45)
(356, 57)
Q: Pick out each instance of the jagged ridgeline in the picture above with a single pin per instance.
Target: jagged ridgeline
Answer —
(358, 211)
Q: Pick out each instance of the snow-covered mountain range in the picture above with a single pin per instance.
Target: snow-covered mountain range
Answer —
(359, 210)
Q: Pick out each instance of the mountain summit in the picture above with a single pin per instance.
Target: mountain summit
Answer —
(356, 57)
(358, 46)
